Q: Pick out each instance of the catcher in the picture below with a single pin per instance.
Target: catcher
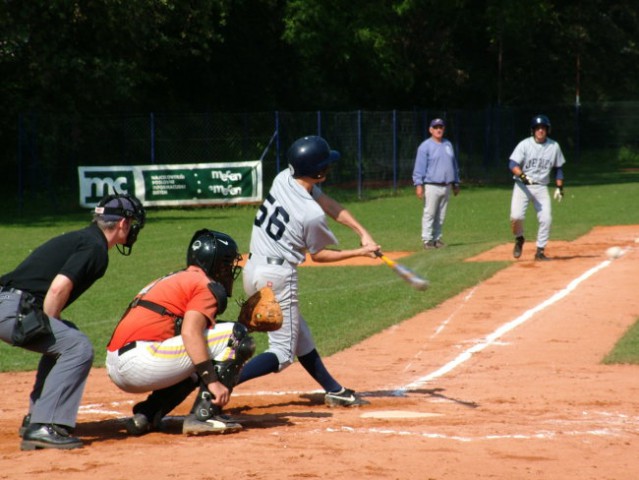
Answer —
(168, 342)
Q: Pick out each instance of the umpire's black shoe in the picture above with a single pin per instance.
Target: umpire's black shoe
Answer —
(540, 256)
(25, 424)
(39, 435)
(519, 244)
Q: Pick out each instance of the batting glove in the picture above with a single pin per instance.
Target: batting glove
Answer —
(559, 193)
(524, 178)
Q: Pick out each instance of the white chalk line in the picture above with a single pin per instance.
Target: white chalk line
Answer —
(540, 435)
(505, 328)
(445, 323)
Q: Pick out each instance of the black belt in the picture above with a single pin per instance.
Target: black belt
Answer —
(271, 260)
(126, 348)
(438, 184)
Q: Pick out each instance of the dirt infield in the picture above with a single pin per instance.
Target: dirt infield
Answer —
(504, 381)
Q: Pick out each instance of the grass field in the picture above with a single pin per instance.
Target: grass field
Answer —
(343, 305)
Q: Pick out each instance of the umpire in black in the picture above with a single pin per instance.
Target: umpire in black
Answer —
(32, 298)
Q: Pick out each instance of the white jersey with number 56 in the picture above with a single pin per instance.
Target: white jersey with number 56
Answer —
(290, 222)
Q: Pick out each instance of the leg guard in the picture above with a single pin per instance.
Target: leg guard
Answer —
(228, 371)
(161, 402)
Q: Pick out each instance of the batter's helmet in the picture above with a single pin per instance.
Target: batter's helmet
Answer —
(540, 120)
(113, 208)
(215, 253)
(310, 157)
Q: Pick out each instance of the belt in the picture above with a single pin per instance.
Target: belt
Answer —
(126, 348)
(10, 290)
(269, 260)
(439, 184)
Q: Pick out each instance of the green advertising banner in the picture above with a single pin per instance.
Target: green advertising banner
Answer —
(175, 185)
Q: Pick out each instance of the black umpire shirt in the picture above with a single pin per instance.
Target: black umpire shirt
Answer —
(81, 255)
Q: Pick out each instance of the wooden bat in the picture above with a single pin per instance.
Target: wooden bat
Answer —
(404, 272)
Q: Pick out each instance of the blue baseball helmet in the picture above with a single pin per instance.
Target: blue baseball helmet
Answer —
(310, 157)
(540, 120)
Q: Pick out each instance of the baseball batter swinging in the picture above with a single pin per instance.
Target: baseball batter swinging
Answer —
(531, 163)
(290, 223)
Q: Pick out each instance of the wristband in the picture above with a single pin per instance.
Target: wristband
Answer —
(206, 371)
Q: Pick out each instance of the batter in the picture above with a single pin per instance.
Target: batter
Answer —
(531, 163)
(290, 223)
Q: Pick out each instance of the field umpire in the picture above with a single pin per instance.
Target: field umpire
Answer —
(32, 298)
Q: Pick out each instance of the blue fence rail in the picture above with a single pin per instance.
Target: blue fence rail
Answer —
(378, 147)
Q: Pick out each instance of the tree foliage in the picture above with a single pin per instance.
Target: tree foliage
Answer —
(141, 55)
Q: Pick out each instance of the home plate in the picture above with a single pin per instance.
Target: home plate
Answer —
(398, 414)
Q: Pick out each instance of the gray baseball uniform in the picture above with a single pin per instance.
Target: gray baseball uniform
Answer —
(289, 223)
(536, 160)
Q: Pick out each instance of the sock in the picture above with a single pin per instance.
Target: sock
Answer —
(258, 366)
(313, 364)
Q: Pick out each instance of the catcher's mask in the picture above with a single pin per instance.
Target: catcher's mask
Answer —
(113, 208)
(215, 253)
(310, 156)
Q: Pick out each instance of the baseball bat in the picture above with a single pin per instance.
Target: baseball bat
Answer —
(404, 272)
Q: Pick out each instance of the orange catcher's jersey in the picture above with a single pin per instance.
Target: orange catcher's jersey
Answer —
(177, 292)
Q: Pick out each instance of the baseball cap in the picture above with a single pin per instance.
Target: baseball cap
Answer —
(437, 121)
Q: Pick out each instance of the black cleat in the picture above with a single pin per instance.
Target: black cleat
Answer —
(540, 256)
(344, 398)
(519, 244)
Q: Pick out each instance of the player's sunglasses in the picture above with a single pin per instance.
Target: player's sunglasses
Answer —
(438, 127)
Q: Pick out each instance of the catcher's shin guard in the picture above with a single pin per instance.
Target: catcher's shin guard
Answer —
(203, 407)
(228, 371)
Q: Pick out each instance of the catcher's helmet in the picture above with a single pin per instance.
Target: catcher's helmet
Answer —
(540, 120)
(113, 208)
(310, 157)
(215, 253)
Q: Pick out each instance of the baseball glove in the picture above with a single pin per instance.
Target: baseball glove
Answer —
(261, 312)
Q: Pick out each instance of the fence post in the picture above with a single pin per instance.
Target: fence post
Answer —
(395, 166)
(359, 154)
(152, 127)
(319, 123)
(20, 158)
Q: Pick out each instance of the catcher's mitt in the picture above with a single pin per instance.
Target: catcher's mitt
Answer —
(261, 312)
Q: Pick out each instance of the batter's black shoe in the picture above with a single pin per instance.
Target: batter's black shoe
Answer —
(540, 256)
(39, 436)
(344, 398)
(519, 244)
(439, 244)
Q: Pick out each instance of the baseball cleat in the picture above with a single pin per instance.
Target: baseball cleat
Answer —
(138, 424)
(540, 256)
(344, 398)
(38, 436)
(215, 424)
(429, 245)
(439, 244)
(519, 244)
